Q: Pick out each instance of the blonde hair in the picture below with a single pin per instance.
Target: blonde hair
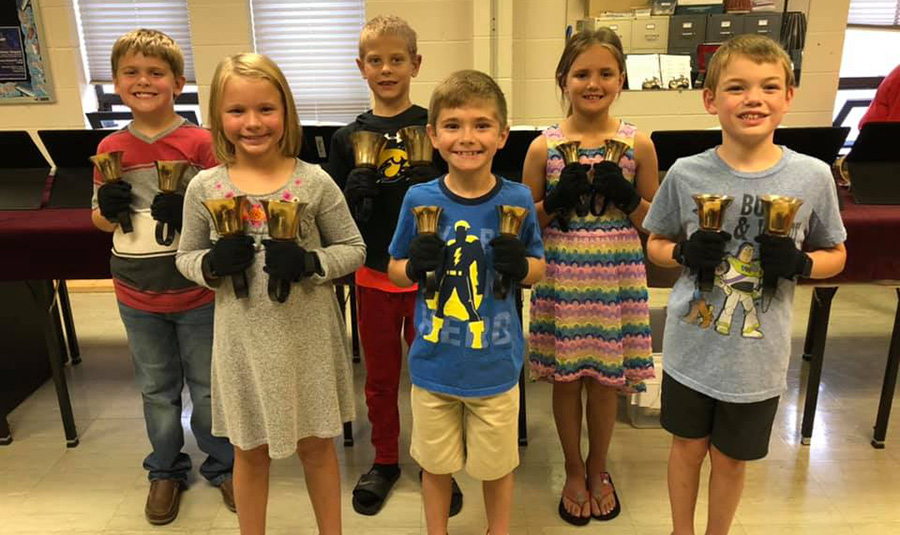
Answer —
(461, 88)
(578, 44)
(757, 48)
(152, 44)
(388, 25)
(257, 67)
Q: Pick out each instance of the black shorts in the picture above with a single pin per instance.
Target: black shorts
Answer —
(739, 430)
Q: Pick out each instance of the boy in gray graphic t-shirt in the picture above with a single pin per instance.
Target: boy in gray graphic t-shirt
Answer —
(726, 350)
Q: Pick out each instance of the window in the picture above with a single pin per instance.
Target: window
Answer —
(874, 12)
(315, 43)
(101, 22)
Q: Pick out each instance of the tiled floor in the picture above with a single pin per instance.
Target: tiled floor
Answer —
(837, 486)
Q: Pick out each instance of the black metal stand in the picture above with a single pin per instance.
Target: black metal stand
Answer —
(52, 333)
(66, 309)
(810, 327)
(348, 434)
(523, 416)
(5, 434)
(889, 384)
(342, 297)
(354, 325)
(817, 331)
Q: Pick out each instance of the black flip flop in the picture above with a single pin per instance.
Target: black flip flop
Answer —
(615, 510)
(371, 491)
(569, 517)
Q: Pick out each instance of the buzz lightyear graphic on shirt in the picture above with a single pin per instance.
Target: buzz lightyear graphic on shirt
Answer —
(461, 285)
(739, 277)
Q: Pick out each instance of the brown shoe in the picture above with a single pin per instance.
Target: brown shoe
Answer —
(227, 489)
(163, 501)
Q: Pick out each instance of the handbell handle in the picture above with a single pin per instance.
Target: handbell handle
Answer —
(502, 285)
(165, 233)
(363, 211)
(125, 221)
(706, 279)
(239, 283)
(279, 289)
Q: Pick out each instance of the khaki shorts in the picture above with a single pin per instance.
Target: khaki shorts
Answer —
(480, 434)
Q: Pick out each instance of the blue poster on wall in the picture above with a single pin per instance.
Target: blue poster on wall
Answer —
(12, 56)
(24, 70)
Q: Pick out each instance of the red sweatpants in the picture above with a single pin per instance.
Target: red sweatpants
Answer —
(382, 316)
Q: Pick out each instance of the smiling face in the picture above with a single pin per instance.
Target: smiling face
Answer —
(468, 137)
(750, 99)
(593, 81)
(252, 115)
(147, 85)
(388, 67)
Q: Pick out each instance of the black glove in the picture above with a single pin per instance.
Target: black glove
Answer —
(114, 198)
(230, 255)
(426, 252)
(168, 208)
(287, 260)
(779, 257)
(509, 257)
(422, 173)
(361, 184)
(573, 183)
(705, 249)
(612, 184)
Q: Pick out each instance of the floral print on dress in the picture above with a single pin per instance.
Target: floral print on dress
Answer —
(256, 216)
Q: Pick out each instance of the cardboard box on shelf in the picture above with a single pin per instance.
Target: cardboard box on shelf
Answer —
(597, 7)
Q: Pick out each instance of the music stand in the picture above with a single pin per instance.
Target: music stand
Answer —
(23, 175)
(73, 182)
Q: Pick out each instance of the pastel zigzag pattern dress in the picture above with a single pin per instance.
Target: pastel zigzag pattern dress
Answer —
(590, 315)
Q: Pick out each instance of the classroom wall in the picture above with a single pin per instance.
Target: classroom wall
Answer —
(517, 41)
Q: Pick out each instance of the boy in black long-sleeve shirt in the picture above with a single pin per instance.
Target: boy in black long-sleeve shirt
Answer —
(388, 60)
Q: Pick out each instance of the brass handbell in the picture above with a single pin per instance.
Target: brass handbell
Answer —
(169, 174)
(367, 148)
(778, 214)
(511, 220)
(613, 150)
(711, 212)
(228, 218)
(284, 224)
(569, 151)
(109, 165)
(427, 221)
(419, 150)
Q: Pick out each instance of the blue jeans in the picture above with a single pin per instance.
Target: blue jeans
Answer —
(169, 349)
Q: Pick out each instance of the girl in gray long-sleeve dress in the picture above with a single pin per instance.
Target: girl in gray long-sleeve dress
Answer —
(281, 377)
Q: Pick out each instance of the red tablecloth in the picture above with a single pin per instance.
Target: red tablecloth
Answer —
(52, 244)
(873, 251)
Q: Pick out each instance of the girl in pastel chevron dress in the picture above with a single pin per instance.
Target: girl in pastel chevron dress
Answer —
(590, 326)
